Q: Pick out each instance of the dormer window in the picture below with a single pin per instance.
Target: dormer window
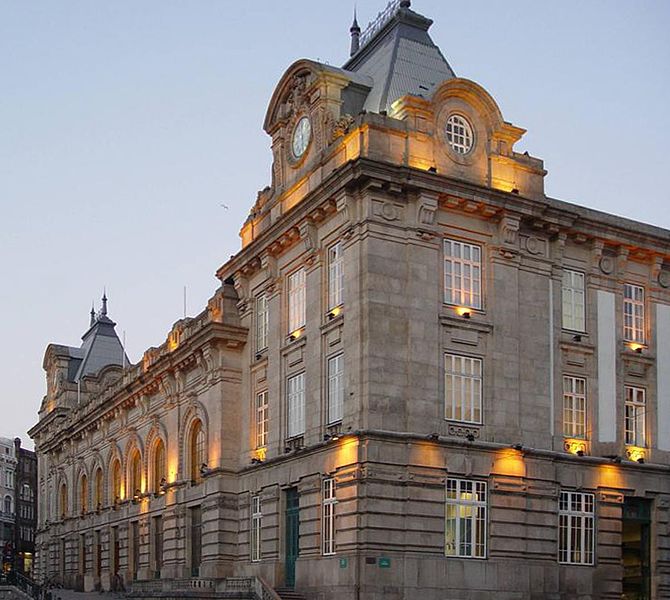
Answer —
(459, 134)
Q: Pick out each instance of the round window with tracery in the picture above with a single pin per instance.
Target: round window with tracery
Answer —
(459, 134)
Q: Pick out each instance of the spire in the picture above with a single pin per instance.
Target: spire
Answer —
(355, 31)
(103, 310)
(405, 3)
(92, 315)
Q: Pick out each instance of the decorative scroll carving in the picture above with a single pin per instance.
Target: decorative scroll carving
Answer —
(241, 285)
(462, 431)
(509, 231)
(308, 236)
(427, 209)
(341, 127)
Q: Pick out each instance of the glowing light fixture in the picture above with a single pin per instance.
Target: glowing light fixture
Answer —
(464, 312)
(635, 347)
(576, 447)
(334, 312)
(635, 453)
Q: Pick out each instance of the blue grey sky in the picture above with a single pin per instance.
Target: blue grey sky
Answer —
(124, 125)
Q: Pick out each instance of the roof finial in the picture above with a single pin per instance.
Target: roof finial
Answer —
(103, 310)
(405, 3)
(355, 31)
(92, 314)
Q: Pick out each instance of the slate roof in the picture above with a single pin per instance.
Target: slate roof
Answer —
(402, 59)
(100, 348)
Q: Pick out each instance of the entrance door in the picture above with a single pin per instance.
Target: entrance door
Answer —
(292, 535)
(636, 548)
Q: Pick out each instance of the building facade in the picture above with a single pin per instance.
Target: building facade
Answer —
(420, 374)
(8, 464)
(18, 517)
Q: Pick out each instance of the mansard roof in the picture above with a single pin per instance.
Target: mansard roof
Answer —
(100, 348)
(399, 55)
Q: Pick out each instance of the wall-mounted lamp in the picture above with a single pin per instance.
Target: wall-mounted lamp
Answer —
(518, 447)
(515, 191)
(294, 335)
(137, 495)
(432, 170)
(635, 347)
(636, 454)
(470, 437)
(258, 356)
(204, 469)
(333, 312)
(256, 461)
(434, 436)
(577, 337)
(162, 486)
(576, 447)
(464, 312)
(615, 458)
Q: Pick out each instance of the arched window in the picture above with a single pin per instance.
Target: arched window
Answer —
(116, 492)
(135, 474)
(63, 501)
(83, 494)
(98, 488)
(196, 446)
(8, 505)
(159, 473)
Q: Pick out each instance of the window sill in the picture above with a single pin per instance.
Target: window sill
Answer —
(474, 324)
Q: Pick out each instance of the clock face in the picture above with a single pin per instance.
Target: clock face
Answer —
(301, 136)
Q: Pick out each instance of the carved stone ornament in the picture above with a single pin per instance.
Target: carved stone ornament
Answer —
(297, 94)
(606, 264)
(341, 127)
(534, 245)
(308, 235)
(461, 431)
(664, 278)
(509, 232)
(427, 209)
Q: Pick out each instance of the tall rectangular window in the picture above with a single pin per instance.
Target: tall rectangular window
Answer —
(576, 520)
(296, 300)
(295, 393)
(574, 407)
(633, 313)
(328, 517)
(573, 300)
(157, 523)
(465, 528)
(196, 540)
(335, 276)
(462, 274)
(335, 388)
(635, 417)
(462, 388)
(262, 419)
(262, 320)
(256, 527)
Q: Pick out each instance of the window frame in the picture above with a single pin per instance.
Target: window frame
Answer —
(295, 427)
(639, 416)
(463, 296)
(262, 322)
(335, 409)
(461, 142)
(576, 520)
(329, 503)
(261, 421)
(474, 380)
(335, 275)
(574, 306)
(635, 330)
(255, 528)
(478, 520)
(575, 396)
(296, 299)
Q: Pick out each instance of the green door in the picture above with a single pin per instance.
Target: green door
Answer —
(292, 535)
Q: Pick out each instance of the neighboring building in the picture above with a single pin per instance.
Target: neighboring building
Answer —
(7, 501)
(420, 375)
(25, 495)
(18, 509)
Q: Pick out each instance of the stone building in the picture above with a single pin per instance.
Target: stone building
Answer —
(419, 374)
(18, 506)
(7, 501)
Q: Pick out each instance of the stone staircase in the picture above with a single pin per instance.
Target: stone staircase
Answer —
(289, 594)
